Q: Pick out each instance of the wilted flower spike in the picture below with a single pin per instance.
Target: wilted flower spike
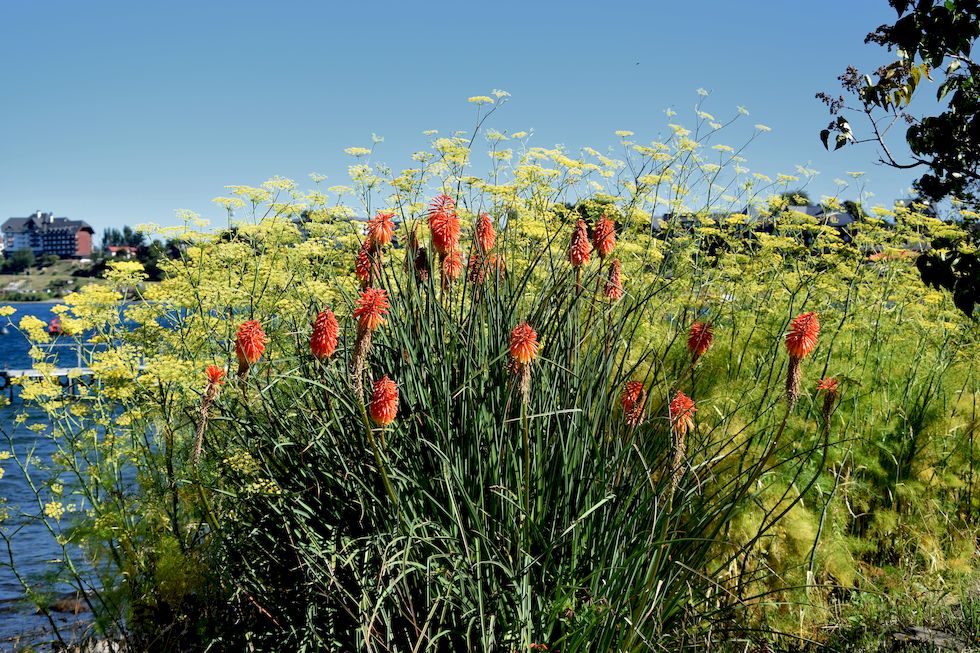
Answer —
(682, 414)
(362, 267)
(384, 401)
(604, 236)
(486, 236)
(476, 268)
(632, 400)
(249, 344)
(381, 228)
(421, 265)
(614, 284)
(802, 336)
(699, 339)
(323, 343)
(580, 249)
(828, 386)
(523, 343)
(371, 308)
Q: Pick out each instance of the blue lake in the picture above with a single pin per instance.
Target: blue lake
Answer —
(31, 546)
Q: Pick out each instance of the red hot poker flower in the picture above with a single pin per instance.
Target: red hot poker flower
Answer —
(444, 224)
(371, 308)
(452, 265)
(802, 336)
(384, 401)
(682, 414)
(381, 228)
(699, 339)
(486, 236)
(604, 236)
(216, 375)
(632, 400)
(828, 385)
(523, 343)
(250, 342)
(614, 285)
(580, 249)
(323, 343)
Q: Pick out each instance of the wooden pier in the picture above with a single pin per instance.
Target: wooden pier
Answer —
(67, 377)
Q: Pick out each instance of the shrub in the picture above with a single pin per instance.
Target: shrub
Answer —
(500, 495)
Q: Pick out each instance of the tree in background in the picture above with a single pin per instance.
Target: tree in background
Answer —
(932, 38)
(796, 197)
(123, 237)
(19, 261)
(929, 37)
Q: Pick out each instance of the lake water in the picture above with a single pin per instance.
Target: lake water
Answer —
(32, 547)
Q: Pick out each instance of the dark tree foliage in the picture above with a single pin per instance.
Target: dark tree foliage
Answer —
(934, 41)
(19, 261)
(930, 38)
(123, 237)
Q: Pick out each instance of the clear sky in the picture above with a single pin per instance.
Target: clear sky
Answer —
(120, 112)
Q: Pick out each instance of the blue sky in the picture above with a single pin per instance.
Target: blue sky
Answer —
(121, 112)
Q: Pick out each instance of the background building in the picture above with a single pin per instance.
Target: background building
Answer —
(42, 233)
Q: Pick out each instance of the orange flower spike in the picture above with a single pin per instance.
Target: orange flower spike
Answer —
(699, 339)
(452, 265)
(323, 343)
(523, 343)
(580, 249)
(384, 401)
(444, 224)
(604, 236)
(486, 235)
(371, 308)
(250, 342)
(614, 285)
(682, 414)
(828, 385)
(381, 228)
(632, 400)
(216, 375)
(802, 336)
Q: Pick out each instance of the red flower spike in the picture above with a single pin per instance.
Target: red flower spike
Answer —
(323, 343)
(802, 336)
(614, 285)
(523, 343)
(250, 342)
(580, 249)
(699, 339)
(828, 385)
(384, 401)
(371, 308)
(452, 265)
(604, 236)
(632, 400)
(216, 375)
(381, 228)
(444, 224)
(682, 414)
(486, 235)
